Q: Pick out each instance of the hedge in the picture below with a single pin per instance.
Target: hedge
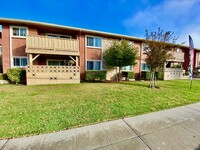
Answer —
(159, 75)
(131, 75)
(95, 75)
(147, 75)
(16, 75)
(3, 76)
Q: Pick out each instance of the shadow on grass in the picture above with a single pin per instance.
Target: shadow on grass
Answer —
(135, 83)
(139, 84)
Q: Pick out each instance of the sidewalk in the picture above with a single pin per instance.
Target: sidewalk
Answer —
(176, 129)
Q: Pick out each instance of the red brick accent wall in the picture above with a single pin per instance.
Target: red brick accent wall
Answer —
(5, 48)
(195, 58)
(41, 61)
(186, 59)
(136, 68)
(82, 56)
(32, 31)
(93, 54)
(0, 38)
(35, 62)
(18, 46)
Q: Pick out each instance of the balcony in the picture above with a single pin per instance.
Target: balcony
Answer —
(42, 74)
(173, 73)
(178, 57)
(36, 44)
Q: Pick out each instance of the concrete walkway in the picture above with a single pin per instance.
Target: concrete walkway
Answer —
(175, 129)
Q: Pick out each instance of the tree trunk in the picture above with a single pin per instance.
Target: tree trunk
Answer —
(152, 79)
(119, 73)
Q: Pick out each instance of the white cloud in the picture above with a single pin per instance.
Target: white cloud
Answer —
(194, 31)
(180, 16)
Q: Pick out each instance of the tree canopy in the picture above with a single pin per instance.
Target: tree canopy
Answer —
(120, 54)
(158, 46)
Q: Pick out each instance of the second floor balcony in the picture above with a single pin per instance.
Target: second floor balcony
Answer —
(37, 44)
(178, 57)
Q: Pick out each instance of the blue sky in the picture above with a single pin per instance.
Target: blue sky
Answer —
(129, 17)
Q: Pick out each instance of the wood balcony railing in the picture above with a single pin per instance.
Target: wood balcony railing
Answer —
(37, 44)
(43, 74)
(173, 73)
(179, 57)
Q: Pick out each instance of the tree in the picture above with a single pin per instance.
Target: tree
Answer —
(158, 46)
(120, 54)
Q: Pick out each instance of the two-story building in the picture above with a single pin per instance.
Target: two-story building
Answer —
(61, 54)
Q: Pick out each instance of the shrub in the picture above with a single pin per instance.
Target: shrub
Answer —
(3, 76)
(131, 75)
(176, 66)
(16, 75)
(147, 75)
(186, 73)
(160, 75)
(95, 75)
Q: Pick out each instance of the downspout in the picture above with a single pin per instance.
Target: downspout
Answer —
(10, 45)
(84, 53)
(140, 61)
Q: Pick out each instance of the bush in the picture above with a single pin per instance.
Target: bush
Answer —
(147, 75)
(95, 75)
(131, 75)
(3, 76)
(176, 66)
(16, 75)
(186, 73)
(160, 75)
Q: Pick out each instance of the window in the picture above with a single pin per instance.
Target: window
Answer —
(127, 68)
(56, 62)
(20, 62)
(19, 31)
(144, 45)
(93, 65)
(94, 41)
(144, 67)
(131, 43)
(59, 36)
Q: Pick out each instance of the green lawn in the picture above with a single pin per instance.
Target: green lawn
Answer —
(28, 110)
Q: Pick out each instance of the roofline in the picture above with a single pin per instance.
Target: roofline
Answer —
(7, 20)
(68, 27)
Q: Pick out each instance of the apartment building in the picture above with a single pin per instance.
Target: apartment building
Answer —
(60, 54)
